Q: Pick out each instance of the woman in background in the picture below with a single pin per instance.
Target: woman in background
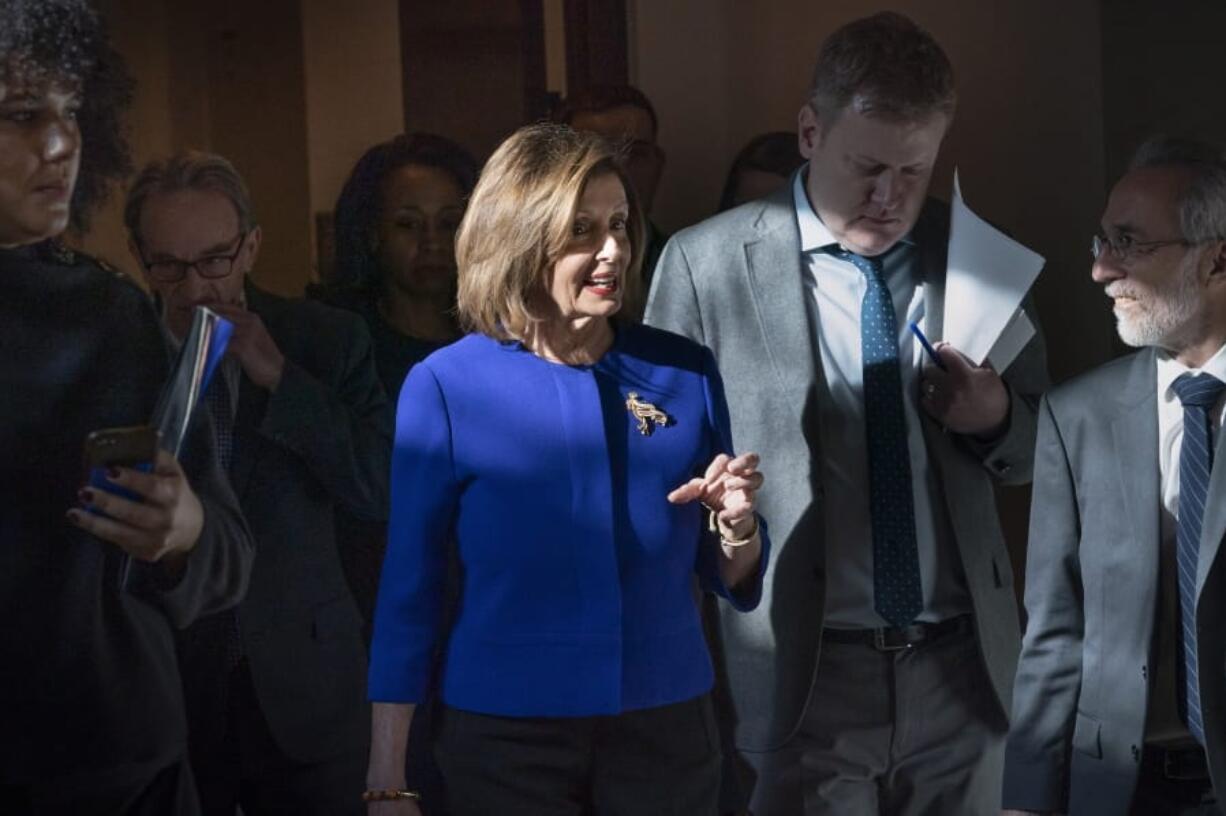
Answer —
(565, 454)
(395, 225)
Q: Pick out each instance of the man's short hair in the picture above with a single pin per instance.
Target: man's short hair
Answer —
(600, 98)
(1202, 207)
(189, 170)
(884, 65)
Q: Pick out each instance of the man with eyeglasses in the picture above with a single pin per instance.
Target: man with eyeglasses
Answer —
(275, 690)
(1120, 701)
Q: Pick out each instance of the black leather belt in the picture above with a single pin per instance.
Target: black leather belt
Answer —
(892, 639)
(1178, 764)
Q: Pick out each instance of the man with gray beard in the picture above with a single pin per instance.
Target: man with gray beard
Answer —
(1120, 700)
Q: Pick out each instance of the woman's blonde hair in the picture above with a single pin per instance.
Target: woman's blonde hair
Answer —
(519, 221)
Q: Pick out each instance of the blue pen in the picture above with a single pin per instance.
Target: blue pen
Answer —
(919, 335)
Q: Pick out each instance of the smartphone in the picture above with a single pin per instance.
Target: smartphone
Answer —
(134, 447)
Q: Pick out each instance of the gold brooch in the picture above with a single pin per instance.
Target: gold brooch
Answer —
(645, 413)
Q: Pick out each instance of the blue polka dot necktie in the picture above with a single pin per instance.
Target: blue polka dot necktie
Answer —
(897, 594)
(1198, 394)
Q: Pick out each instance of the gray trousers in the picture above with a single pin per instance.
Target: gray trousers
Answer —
(904, 733)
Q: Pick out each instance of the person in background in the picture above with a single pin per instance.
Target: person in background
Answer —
(877, 674)
(1120, 700)
(395, 224)
(274, 688)
(625, 116)
(93, 719)
(761, 167)
(565, 453)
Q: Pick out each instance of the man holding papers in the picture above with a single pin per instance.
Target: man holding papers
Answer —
(276, 689)
(1120, 701)
(891, 562)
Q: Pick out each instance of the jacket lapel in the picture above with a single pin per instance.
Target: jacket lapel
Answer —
(776, 280)
(1214, 525)
(252, 402)
(931, 236)
(1135, 431)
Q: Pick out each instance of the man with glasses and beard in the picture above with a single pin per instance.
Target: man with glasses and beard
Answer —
(1120, 700)
(276, 697)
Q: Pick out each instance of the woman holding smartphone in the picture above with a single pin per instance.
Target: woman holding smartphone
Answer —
(93, 713)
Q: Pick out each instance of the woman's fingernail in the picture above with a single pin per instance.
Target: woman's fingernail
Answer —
(85, 496)
(74, 516)
(112, 473)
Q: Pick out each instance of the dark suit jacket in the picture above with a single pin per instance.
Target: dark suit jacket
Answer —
(1084, 679)
(87, 672)
(320, 442)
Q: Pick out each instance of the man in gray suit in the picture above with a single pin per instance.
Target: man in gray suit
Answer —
(277, 712)
(1120, 701)
(890, 563)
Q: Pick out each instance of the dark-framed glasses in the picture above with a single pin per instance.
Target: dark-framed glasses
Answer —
(212, 266)
(1126, 250)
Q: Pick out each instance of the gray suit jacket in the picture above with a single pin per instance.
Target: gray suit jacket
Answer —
(1091, 595)
(320, 442)
(736, 284)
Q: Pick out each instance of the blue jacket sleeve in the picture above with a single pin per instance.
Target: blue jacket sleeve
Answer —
(424, 491)
(746, 596)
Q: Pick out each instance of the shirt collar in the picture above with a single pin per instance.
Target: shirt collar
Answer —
(1170, 369)
(815, 236)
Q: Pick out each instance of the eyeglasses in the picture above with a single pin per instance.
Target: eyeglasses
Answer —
(173, 270)
(1125, 250)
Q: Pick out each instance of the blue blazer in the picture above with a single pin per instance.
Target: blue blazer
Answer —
(576, 574)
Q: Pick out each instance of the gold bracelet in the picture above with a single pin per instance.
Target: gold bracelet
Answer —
(389, 795)
(713, 526)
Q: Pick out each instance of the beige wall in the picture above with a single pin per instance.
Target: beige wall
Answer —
(141, 38)
(292, 91)
(353, 88)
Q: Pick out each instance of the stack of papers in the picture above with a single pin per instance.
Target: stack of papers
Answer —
(987, 276)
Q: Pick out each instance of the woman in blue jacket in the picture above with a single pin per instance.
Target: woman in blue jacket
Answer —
(567, 456)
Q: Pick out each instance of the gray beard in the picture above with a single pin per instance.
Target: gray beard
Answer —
(1170, 314)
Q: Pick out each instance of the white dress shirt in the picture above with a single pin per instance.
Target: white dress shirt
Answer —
(836, 289)
(1163, 724)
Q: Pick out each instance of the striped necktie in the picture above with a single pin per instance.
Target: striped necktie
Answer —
(1197, 394)
(897, 593)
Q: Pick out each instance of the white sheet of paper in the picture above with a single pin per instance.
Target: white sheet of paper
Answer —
(1012, 340)
(987, 276)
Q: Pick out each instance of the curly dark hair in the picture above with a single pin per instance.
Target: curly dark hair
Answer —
(65, 42)
(357, 207)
